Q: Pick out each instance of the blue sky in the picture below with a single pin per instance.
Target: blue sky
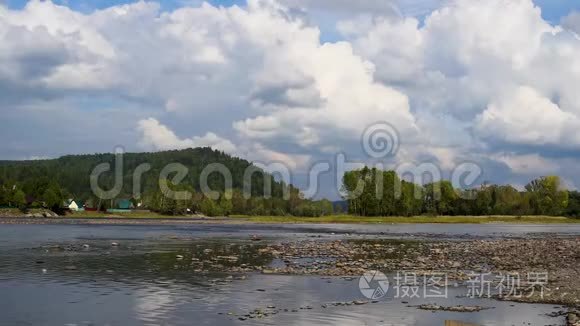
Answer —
(552, 10)
(259, 84)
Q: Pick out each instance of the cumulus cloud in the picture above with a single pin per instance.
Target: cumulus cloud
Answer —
(377, 7)
(525, 117)
(495, 69)
(53, 47)
(472, 80)
(572, 22)
(159, 137)
(530, 164)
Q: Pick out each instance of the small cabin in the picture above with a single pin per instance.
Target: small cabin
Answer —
(121, 206)
(72, 205)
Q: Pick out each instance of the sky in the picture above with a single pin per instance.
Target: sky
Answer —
(493, 82)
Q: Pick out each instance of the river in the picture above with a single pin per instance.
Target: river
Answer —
(73, 275)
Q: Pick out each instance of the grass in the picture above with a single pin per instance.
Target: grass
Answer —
(139, 214)
(336, 219)
(15, 212)
(349, 219)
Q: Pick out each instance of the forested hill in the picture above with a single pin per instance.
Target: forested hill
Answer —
(72, 172)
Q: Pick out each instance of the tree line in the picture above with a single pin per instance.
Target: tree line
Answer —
(369, 192)
(33, 193)
(233, 202)
(48, 183)
(372, 192)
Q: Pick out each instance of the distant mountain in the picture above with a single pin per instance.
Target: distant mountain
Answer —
(72, 172)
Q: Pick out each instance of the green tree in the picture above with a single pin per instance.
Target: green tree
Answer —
(53, 198)
(439, 198)
(506, 200)
(573, 209)
(225, 205)
(19, 199)
(210, 208)
(547, 197)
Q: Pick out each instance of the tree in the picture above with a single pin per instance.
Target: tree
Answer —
(210, 208)
(19, 199)
(225, 205)
(573, 209)
(326, 207)
(484, 200)
(52, 199)
(547, 196)
(445, 204)
(506, 200)
(409, 201)
(3, 196)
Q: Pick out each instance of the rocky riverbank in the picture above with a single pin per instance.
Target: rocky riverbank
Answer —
(533, 270)
(10, 213)
(508, 261)
(541, 270)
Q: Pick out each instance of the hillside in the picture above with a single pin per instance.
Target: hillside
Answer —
(46, 183)
(72, 172)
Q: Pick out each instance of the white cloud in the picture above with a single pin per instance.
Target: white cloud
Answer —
(60, 47)
(530, 164)
(159, 137)
(484, 64)
(376, 7)
(525, 117)
(572, 22)
(475, 79)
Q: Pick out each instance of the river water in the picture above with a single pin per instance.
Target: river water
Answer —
(47, 277)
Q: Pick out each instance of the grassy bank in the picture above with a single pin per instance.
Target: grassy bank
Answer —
(137, 214)
(346, 219)
(410, 220)
(14, 212)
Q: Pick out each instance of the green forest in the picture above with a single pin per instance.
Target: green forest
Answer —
(48, 183)
(372, 192)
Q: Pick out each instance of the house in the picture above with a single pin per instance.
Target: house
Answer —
(90, 206)
(72, 205)
(125, 204)
(122, 206)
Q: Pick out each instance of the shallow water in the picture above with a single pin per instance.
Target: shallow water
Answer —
(48, 278)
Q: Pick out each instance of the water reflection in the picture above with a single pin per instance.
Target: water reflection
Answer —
(154, 303)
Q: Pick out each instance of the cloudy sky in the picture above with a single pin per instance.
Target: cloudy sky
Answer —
(488, 81)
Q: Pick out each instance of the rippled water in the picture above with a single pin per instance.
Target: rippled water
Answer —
(48, 278)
